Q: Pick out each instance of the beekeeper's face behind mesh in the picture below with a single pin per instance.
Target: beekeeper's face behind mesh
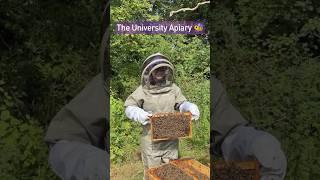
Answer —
(158, 73)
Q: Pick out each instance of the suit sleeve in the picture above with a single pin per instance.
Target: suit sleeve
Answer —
(76, 160)
(135, 99)
(84, 118)
(180, 98)
(224, 116)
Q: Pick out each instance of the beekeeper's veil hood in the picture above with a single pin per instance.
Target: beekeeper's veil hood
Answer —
(157, 65)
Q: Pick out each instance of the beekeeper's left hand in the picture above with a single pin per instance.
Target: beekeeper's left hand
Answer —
(188, 106)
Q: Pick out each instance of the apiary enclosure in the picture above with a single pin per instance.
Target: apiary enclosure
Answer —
(247, 170)
(187, 169)
(165, 126)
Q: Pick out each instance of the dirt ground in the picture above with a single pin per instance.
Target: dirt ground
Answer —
(131, 170)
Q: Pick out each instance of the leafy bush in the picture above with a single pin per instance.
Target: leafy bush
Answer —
(124, 133)
(24, 153)
(265, 53)
(49, 51)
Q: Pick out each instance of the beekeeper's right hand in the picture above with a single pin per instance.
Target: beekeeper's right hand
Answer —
(137, 114)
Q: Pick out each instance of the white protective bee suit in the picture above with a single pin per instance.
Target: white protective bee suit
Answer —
(154, 97)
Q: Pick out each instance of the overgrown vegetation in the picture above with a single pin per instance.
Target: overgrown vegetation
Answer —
(48, 53)
(267, 55)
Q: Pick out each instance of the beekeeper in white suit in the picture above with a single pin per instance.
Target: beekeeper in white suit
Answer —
(157, 93)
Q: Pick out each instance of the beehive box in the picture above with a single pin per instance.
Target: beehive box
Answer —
(197, 170)
(187, 169)
(245, 170)
(165, 126)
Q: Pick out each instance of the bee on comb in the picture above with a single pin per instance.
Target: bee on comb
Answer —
(165, 126)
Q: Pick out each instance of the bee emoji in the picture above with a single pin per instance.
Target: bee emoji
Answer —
(198, 27)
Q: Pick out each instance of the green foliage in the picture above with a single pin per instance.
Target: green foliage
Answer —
(49, 51)
(197, 90)
(24, 153)
(266, 54)
(124, 134)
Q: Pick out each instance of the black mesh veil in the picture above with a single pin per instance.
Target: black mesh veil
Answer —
(153, 63)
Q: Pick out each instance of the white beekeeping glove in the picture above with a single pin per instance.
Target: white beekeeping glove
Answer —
(188, 106)
(137, 114)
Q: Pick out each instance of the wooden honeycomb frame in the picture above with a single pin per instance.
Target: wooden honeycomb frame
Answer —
(167, 115)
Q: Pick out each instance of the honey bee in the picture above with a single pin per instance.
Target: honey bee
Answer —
(198, 27)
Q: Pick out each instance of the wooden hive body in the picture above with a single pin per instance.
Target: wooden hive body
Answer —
(194, 169)
(252, 166)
